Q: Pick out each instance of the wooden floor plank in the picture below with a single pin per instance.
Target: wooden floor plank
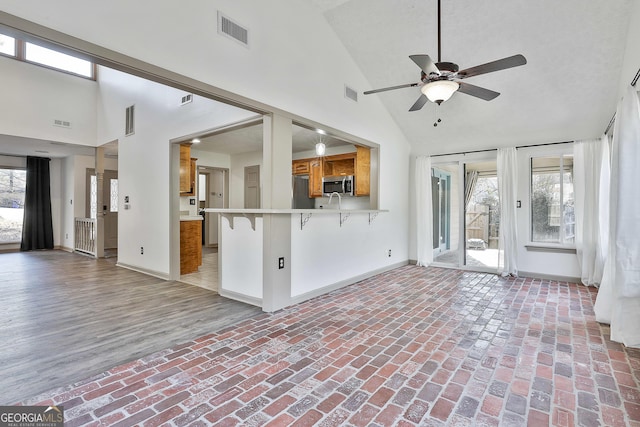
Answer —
(67, 317)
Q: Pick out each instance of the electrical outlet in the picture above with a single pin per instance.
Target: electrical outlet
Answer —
(141, 250)
(389, 253)
(66, 236)
(280, 263)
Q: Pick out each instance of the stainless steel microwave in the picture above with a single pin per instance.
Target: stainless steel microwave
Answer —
(343, 185)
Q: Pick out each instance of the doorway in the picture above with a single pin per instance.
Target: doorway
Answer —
(482, 214)
(109, 204)
(252, 187)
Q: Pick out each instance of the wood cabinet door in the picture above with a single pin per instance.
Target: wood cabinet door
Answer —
(363, 171)
(300, 167)
(185, 168)
(315, 178)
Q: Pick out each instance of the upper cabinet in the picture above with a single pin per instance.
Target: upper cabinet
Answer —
(357, 163)
(187, 171)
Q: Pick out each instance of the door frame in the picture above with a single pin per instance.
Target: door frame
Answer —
(444, 226)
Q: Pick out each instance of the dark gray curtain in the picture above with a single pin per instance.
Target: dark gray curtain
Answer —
(37, 227)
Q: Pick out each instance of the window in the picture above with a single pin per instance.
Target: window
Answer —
(552, 204)
(50, 58)
(12, 190)
(7, 45)
(61, 61)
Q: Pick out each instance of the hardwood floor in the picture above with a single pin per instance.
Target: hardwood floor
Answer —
(67, 317)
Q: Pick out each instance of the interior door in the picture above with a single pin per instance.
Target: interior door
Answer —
(109, 204)
(110, 209)
(252, 187)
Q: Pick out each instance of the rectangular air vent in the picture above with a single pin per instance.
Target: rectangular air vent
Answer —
(350, 93)
(129, 124)
(187, 99)
(62, 123)
(232, 29)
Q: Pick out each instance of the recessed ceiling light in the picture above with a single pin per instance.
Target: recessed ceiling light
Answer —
(42, 151)
(321, 132)
(195, 140)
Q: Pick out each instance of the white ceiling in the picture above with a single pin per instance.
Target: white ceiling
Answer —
(568, 89)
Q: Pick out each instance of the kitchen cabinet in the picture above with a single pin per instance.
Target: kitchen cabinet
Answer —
(357, 163)
(315, 178)
(187, 171)
(300, 167)
(190, 246)
(362, 171)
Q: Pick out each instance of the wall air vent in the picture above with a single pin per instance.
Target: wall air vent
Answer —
(129, 123)
(186, 99)
(62, 123)
(350, 93)
(232, 29)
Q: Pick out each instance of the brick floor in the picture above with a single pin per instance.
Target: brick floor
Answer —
(413, 346)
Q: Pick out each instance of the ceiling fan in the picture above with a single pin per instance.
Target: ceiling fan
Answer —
(439, 81)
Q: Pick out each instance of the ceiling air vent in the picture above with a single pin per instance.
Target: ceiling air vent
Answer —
(62, 123)
(350, 93)
(233, 30)
(186, 99)
(129, 125)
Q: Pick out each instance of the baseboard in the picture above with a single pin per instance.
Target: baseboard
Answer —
(159, 275)
(554, 277)
(240, 297)
(341, 284)
(64, 248)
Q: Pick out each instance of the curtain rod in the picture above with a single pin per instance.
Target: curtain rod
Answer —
(495, 149)
(613, 119)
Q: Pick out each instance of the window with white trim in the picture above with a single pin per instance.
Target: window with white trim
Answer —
(552, 202)
(47, 57)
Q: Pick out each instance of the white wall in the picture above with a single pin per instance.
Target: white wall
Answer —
(33, 97)
(144, 158)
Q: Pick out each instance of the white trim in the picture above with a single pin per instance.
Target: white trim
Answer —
(240, 297)
(159, 275)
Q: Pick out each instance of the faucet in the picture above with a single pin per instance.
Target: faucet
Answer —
(339, 199)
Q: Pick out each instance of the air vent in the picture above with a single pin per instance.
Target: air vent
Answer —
(233, 30)
(129, 126)
(350, 93)
(62, 123)
(187, 99)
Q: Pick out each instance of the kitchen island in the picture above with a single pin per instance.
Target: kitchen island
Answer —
(273, 258)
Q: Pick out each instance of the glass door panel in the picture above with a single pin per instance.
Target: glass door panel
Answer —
(482, 214)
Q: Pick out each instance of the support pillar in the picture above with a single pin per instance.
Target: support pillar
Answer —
(277, 155)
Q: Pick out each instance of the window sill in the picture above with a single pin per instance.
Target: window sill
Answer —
(548, 248)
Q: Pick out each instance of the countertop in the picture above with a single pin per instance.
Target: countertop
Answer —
(292, 211)
(190, 217)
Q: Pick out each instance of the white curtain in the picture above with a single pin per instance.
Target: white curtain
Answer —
(424, 212)
(591, 192)
(508, 193)
(618, 300)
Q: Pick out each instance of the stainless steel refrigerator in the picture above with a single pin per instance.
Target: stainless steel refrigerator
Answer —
(300, 193)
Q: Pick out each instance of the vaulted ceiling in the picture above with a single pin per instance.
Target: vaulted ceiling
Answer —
(568, 89)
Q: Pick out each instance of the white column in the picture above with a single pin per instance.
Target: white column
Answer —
(276, 194)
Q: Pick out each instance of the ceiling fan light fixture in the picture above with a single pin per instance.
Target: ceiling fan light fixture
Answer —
(439, 90)
(320, 149)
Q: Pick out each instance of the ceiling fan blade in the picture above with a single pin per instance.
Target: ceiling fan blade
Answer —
(419, 103)
(477, 91)
(390, 88)
(490, 67)
(425, 63)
